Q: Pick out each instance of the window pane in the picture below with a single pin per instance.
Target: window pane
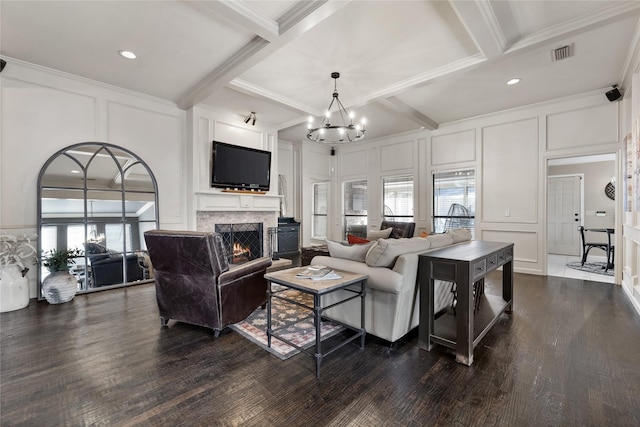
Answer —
(49, 237)
(319, 227)
(454, 200)
(320, 190)
(75, 235)
(356, 225)
(117, 236)
(398, 197)
(319, 210)
(355, 208)
(355, 198)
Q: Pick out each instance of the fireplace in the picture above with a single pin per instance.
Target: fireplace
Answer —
(242, 242)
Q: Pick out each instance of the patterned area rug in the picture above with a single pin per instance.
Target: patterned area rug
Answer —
(299, 330)
(591, 267)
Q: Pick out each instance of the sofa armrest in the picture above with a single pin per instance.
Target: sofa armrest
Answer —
(245, 269)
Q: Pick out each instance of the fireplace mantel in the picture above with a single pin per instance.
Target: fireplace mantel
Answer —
(217, 201)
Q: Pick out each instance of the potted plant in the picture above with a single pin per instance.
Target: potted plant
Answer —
(16, 254)
(60, 286)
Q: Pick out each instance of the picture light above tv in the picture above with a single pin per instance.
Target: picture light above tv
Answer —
(242, 168)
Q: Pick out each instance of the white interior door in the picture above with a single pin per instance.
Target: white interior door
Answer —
(563, 215)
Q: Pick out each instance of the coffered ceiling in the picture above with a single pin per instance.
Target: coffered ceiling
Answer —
(405, 65)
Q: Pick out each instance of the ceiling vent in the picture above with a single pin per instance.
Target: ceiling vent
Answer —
(561, 53)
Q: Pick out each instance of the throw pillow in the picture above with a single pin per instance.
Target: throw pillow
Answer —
(351, 252)
(424, 234)
(385, 252)
(379, 234)
(459, 234)
(354, 240)
(439, 240)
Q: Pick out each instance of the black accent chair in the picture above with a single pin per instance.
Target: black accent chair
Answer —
(400, 229)
(194, 283)
(587, 246)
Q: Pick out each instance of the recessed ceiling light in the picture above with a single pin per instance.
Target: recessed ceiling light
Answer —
(513, 81)
(74, 171)
(127, 54)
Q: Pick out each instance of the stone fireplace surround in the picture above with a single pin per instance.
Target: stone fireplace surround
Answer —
(206, 221)
(216, 207)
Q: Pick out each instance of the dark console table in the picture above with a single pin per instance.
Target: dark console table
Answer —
(464, 264)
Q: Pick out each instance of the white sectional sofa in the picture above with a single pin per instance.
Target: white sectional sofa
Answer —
(392, 302)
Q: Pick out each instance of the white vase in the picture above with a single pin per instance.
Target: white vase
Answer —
(59, 287)
(14, 289)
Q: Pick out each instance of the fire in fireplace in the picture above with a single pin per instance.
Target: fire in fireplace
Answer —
(242, 242)
(240, 253)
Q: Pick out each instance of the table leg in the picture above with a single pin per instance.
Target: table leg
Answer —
(507, 285)
(317, 311)
(464, 319)
(363, 292)
(425, 329)
(269, 314)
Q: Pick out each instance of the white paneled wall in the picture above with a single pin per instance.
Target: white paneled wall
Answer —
(508, 151)
(453, 148)
(509, 173)
(44, 111)
(583, 127)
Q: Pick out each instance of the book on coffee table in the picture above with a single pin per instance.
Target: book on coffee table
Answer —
(314, 272)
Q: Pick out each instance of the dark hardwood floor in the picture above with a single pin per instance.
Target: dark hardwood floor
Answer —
(568, 356)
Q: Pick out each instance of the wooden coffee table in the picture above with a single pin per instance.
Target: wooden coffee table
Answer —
(352, 282)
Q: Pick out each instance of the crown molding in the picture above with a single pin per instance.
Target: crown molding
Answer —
(535, 105)
(599, 18)
(7, 73)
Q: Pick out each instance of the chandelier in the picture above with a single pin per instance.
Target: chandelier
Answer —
(338, 130)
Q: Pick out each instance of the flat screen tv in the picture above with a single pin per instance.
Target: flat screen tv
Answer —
(238, 167)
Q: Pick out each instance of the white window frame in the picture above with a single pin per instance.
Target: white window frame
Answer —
(397, 217)
(316, 215)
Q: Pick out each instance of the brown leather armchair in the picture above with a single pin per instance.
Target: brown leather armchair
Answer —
(194, 283)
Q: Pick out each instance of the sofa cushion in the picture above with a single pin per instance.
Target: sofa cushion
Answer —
(354, 240)
(459, 234)
(350, 252)
(439, 240)
(385, 251)
(379, 234)
(381, 279)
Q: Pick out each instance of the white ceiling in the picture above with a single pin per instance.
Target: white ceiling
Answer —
(404, 65)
